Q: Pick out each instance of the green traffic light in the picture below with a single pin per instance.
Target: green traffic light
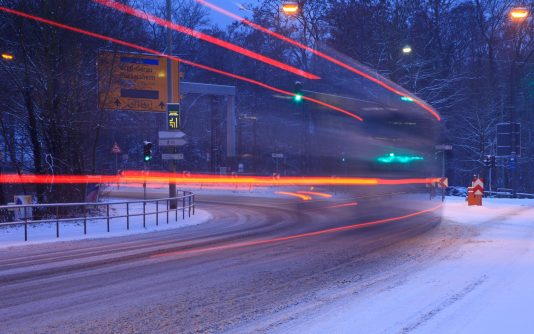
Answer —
(297, 98)
(406, 99)
(147, 158)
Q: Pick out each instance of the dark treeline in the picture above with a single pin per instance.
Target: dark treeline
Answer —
(469, 61)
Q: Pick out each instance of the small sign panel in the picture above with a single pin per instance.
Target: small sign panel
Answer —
(444, 147)
(116, 149)
(172, 142)
(172, 156)
(173, 116)
(508, 139)
(171, 134)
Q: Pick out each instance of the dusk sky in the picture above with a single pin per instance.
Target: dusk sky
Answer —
(230, 5)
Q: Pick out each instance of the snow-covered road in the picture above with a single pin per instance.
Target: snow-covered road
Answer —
(482, 281)
(255, 267)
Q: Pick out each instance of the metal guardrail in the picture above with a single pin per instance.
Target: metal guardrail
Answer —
(507, 193)
(52, 213)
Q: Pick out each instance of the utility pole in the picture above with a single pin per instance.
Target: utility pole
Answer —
(172, 163)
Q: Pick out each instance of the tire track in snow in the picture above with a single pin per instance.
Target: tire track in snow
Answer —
(446, 303)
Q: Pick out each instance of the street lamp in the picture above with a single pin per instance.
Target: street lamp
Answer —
(519, 14)
(290, 8)
(7, 56)
(407, 50)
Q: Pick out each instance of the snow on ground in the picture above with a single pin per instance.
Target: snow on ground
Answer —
(484, 285)
(97, 228)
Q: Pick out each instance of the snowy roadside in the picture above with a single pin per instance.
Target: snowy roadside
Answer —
(483, 284)
(97, 228)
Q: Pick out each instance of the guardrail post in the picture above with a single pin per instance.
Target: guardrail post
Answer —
(157, 212)
(84, 220)
(107, 215)
(57, 221)
(193, 205)
(144, 214)
(25, 225)
(189, 206)
(167, 201)
(128, 216)
(183, 206)
(176, 212)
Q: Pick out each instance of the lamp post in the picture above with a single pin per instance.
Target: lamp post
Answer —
(517, 16)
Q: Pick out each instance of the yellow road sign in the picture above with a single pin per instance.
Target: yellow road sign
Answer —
(128, 81)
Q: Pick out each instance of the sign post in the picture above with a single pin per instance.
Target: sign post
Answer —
(116, 150)
(443, 148)
(276, 157)
(172, 165)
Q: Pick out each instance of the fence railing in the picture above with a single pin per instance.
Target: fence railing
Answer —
(32, 214)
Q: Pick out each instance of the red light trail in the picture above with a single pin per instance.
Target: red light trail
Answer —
(298, 236)
(341, 205)
(322, 55)
(163, 178)
(207, 38)
(315, 193)
(297, 195)
(187, 62)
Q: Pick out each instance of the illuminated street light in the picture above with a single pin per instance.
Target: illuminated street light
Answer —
(519, 14)
(407, 50)
(7, 56)
(290, 8)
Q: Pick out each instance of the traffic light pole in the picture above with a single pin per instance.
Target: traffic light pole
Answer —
(172, 164)
(145, 172)
(147, 156)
